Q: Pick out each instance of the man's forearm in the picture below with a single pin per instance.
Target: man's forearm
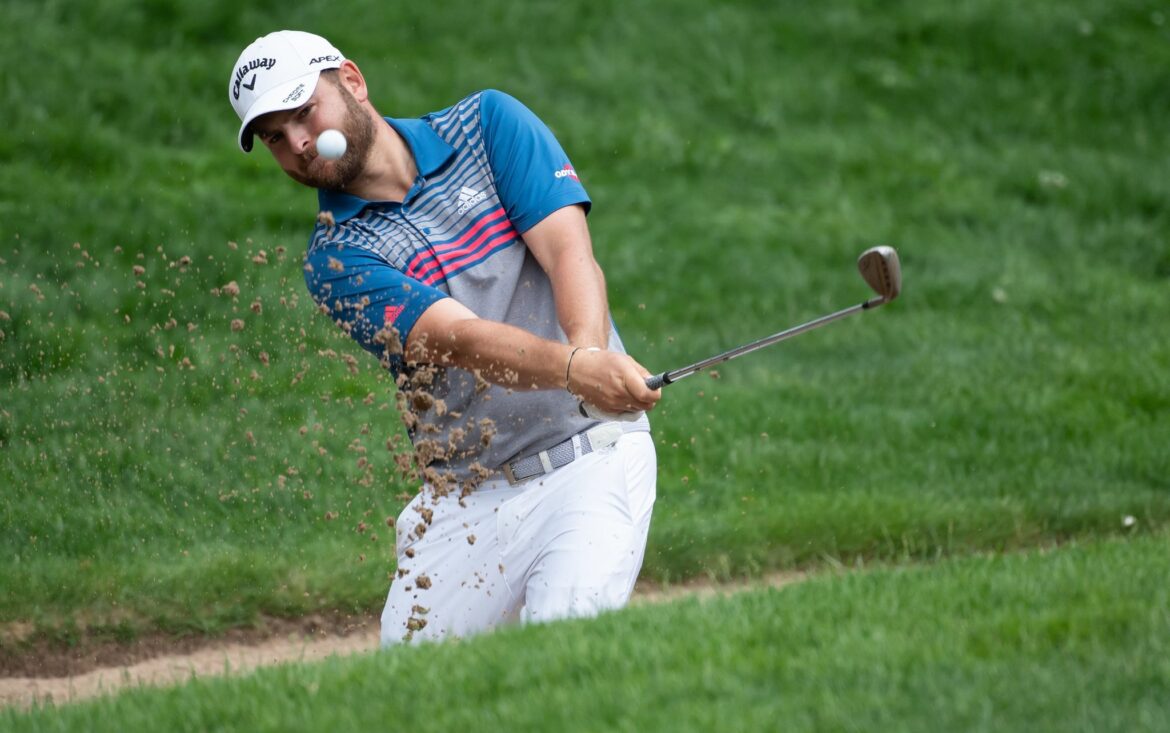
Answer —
(582, 307)
(502, 354)
(562, 246)
(448, 334)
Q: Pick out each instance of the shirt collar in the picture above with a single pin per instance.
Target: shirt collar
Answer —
(430, 153)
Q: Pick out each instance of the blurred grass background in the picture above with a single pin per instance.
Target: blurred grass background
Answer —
(163, 469)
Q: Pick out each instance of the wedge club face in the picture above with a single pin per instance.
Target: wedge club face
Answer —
(882, 270)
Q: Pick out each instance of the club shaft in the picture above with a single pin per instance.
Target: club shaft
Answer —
(665, 378)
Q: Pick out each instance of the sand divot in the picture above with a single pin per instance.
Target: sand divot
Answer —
(226, 659)
(216, 660)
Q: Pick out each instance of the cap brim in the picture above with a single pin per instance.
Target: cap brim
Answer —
(281, 97)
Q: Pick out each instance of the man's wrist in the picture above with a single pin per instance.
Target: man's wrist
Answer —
(569, 365)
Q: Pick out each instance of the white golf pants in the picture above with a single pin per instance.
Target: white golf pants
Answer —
(568, 543)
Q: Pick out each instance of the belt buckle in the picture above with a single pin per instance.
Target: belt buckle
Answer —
(508, 474)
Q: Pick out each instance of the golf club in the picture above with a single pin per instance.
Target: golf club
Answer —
(879, 267)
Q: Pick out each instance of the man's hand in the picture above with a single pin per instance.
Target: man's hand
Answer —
(610, 381)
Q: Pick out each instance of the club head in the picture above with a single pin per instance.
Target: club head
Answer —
(882, 270)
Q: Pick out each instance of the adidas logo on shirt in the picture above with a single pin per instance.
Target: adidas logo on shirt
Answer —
(469, 197)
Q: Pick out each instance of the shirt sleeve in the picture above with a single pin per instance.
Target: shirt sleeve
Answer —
(368, 298)
(533, 175)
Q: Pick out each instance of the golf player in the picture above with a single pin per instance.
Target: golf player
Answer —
(454, 247)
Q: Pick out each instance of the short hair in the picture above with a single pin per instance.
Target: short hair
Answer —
(332, 76)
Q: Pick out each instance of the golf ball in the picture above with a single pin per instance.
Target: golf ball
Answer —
(331, 145)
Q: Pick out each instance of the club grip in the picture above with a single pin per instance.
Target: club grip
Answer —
(658, 381)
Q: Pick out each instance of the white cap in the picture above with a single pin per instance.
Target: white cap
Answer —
(277, 72)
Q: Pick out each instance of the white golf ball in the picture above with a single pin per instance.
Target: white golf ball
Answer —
(331, 145)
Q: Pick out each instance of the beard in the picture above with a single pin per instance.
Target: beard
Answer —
(359, 133)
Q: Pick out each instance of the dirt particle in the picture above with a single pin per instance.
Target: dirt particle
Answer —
(471, 539)
(389, 338)
(487, 431)
(428, 451)
(479, 471)
(404, 464)
(416, 624)
(481, 384)
(422, 581)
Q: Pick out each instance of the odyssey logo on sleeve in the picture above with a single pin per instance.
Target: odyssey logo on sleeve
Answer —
(567, 172)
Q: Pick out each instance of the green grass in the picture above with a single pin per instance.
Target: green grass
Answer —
(1069, 640)
(739, 155)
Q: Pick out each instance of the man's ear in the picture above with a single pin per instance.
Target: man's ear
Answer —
(351, 78)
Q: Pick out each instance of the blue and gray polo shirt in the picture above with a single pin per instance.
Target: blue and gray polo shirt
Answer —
(488, 170)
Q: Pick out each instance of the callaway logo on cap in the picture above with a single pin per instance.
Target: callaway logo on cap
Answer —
(277, 72)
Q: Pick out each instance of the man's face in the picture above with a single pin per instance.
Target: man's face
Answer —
(291, 136)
